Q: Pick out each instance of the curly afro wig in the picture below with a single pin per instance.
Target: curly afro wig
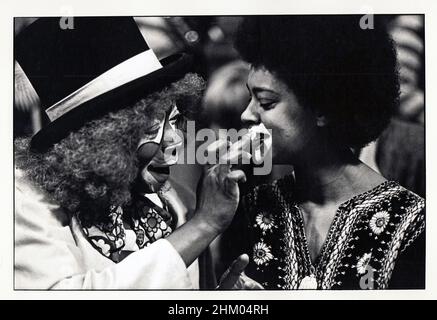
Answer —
(331, 64)
(95, 167)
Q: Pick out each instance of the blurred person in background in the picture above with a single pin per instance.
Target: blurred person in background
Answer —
(408, 33)
(399, 152)
(27, 117)
(226, 96)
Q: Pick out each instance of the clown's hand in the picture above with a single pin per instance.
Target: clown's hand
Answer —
(235, 279)
(218, 192)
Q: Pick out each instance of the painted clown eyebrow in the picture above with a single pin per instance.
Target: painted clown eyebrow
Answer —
(174, 113)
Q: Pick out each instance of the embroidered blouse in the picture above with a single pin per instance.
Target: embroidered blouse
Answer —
(376, 240)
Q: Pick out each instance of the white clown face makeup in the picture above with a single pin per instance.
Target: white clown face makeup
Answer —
(160, 151)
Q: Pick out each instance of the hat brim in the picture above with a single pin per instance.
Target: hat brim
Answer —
(174, 68)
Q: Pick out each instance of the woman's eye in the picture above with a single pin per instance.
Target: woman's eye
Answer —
(267, 104)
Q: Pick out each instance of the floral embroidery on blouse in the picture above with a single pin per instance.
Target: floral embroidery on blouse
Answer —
(363, 263)
(379, 221)
(265, 221)
(261, 253)
(371, 230)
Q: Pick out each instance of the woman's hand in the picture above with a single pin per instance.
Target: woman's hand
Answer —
(235, 279)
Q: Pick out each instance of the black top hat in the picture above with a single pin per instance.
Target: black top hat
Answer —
(100, 65)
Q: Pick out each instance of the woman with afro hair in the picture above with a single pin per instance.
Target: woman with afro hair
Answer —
(325, 86)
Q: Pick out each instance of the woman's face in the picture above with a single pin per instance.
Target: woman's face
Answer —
(158, 151)
(273, 103)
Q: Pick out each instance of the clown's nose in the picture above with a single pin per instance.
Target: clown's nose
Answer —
(147, 151)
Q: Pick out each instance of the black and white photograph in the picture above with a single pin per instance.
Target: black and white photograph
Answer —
(183, 153)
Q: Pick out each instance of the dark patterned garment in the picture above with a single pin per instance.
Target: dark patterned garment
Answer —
(376, 240)
(148, 222)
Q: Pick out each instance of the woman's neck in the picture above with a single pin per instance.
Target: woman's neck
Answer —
(332, 176)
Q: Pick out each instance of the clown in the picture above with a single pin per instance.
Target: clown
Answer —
(93, 206)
